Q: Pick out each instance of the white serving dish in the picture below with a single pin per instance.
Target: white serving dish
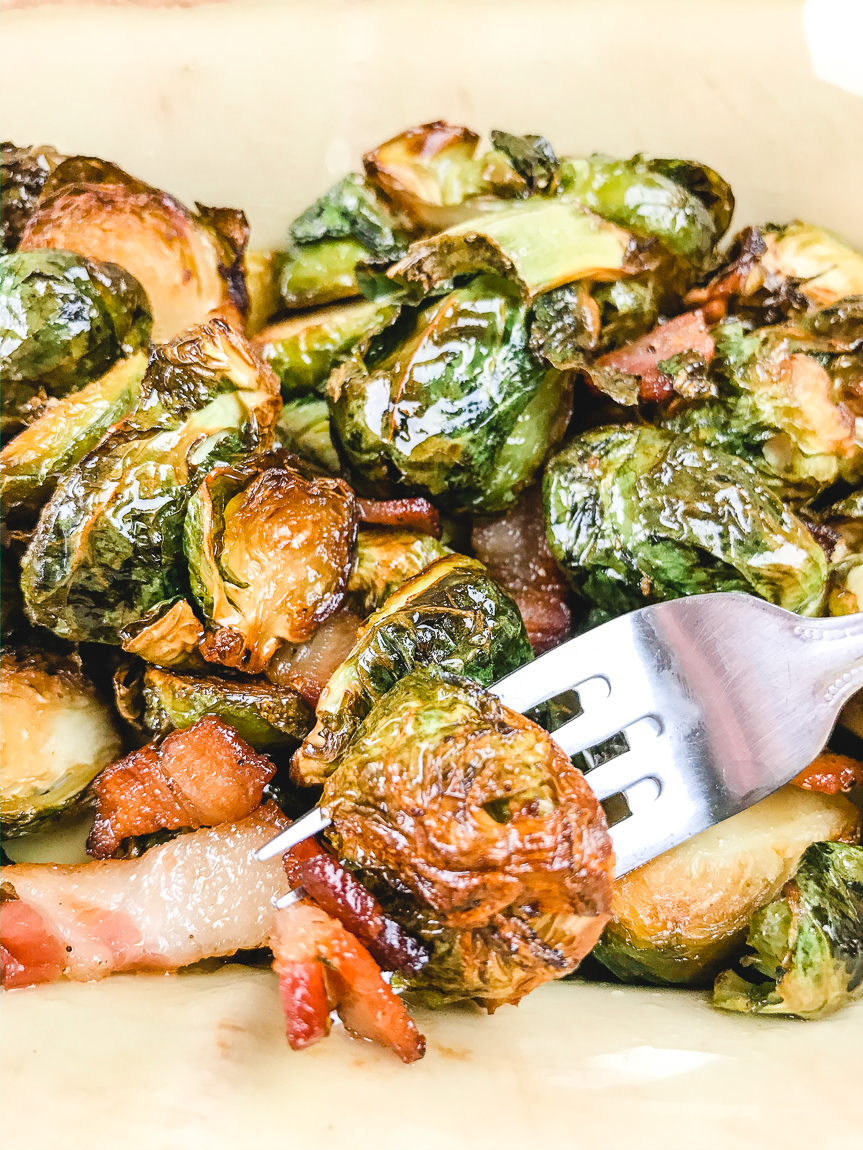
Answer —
(261, 105)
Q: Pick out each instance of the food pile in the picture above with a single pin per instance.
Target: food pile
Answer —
(273, 522)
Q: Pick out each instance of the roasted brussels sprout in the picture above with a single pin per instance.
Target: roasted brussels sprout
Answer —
(779, 408)
(32, 462)
(64, 320)
(265, 715)
(168, 634)
(349, 223)
(303, 429)
(262, 288)
(269, 550)
(108, 545)
(452, 616)
(189, 265)
(476, 833)
(384, 560)
(638, 514)
(681, 917)
(433, 402)
(57, 735)
(808, 944)
(23, 172)
(303, 350)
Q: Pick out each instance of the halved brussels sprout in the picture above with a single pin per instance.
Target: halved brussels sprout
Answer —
(168, 634)
(807, 944)
(433, 400)
(303, 350)
(841, 528)
(262, 287)
(779, 408)
(57, 735)
(189, 265)
(108, 546)
(679, 918)
(477, 833)
(32, 462)
(384, 560)
(451, 616)
(264, 714)
(349, 223)
(23, 172)
(638, 514)
(269, 550)
(64, 320)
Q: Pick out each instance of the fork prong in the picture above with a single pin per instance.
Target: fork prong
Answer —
(312, 823)
(619, 773)
(567, 666)
(595, 725)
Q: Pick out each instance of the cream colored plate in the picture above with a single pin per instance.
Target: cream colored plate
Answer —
(262, 105)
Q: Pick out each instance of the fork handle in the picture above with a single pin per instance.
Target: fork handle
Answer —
(834, 652)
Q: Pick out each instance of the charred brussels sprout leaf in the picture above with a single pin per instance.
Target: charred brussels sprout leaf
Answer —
(108, 546)
(304, 350)
(23, 172)
(347, 224)
(263, 714)
(808, 944)
(269, 549)
(64, 320)
(58, 734)
(637, 514)
(385, 559)
(532, 157)
(451, 616)
(432, 401)
(478, 834)
(303, 429)
(32, 462)
(168, 634)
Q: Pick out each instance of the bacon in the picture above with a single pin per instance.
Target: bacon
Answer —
(415, 514)
(321, 965)
(688, 332)
(308, 668)
(199, 896)
(831, 774)
(514, 548)
(198, 777)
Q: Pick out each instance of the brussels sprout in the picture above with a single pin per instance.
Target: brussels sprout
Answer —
(64, 320)
(476, 833)
(265, 715)
(303, 350)
(349, 223)
(539, 245)
(57, 735)
(303, 428)
(262, 288)
(808, 944)
(452, 616)
(108, 545)
(681, 917)
(433, 400)
(23, 172)
(189, 265)
(168, 634)
(32, 462)
(384, 560)
(779, 408)
(638, 514)
(532, 157)
(269, 551)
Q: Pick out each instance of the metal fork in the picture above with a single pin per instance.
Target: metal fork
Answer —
(721, 700)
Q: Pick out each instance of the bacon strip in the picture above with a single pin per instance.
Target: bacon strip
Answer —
(200, 895)
(416, 514)
(688, 332)
(831, 774)
(310, 950)
(199, 777)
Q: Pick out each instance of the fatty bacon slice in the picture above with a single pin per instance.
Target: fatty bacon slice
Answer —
(199, 896)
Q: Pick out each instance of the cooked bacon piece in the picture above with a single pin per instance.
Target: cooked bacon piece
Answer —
(515, 550)
(308, 668)
(30, 952)
(202, 894)
(688, 332)
(199, 777)
(730, 281)
(343, 896)
(415, 514)
(312, 950)
(831, 774)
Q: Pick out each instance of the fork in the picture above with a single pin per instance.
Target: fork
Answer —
(720, 699)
